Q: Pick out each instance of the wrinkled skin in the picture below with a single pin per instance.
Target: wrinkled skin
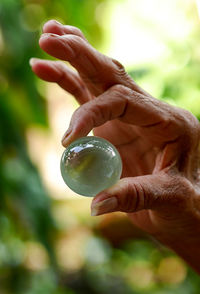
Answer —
(158, 143)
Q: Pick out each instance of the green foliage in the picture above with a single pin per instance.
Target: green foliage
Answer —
(26, 210)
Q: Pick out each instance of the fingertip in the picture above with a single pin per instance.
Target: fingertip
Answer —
(42, 38)
(68, 138)
(36, 65)
(113, 191)
(45, 69)
(45, 40)
(65, 141)
(56, 45)
(33, 61)
(50, 25)
(107, 205)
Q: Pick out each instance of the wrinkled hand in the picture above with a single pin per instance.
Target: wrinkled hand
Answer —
(158, 143)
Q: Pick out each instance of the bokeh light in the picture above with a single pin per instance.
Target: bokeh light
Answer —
(69, 249)
(172, 270)
(32, 16)
(141, 275)
(36, 257)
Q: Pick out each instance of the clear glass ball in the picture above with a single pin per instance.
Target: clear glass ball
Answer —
(89, 165)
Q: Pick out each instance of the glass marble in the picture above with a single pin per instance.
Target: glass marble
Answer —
(89, 165)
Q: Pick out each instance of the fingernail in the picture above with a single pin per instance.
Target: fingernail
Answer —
(32, 61)
(105, 206)
(57, 22)
(66, 133)
(47, 35)
(65, 137)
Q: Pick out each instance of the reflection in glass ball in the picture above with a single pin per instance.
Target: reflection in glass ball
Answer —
(90, 164)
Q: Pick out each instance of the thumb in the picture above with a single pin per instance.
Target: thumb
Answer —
(137, 193)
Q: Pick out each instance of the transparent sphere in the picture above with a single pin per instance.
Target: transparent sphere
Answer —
(89, 165)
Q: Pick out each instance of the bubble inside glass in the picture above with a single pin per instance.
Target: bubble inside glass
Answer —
(90, 165)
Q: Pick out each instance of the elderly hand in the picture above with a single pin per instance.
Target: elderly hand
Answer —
(158, 143)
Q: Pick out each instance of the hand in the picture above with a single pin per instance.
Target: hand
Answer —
(158, 143)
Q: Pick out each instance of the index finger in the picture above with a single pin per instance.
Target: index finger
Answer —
(157, 121)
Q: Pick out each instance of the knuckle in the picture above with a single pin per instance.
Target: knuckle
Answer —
(127, 203)
(74, 39)
(118, 66)
(185, 186)
(185, 126)
(120, 90)
(181, 190)
(119, 70)
(189, 121)
(80, 33)
(77, 31)
(140, 199)
(73, 30)
(91, 113)
(100, 113)
(134, 198)
(79, 90)
(190, 118)
(74, 42)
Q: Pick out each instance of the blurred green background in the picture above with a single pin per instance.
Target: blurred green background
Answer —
(49, 243)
